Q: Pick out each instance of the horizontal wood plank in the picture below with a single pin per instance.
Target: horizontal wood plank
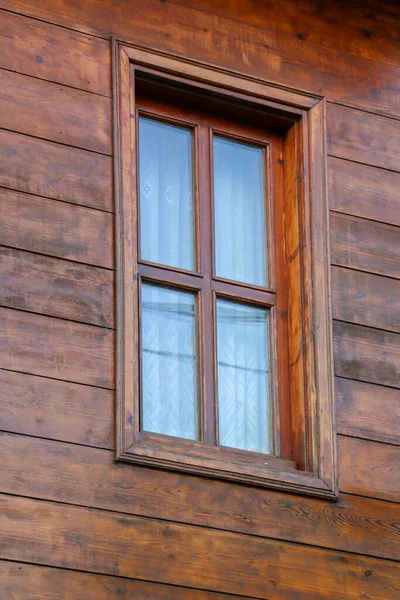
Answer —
(49, 52)
(136, 547)
(364, 191)
(367, 411)
(365, 299)
(365, 245)
(56, 348)
(55, 171)
(366, 354)
(91, 477)
(363, 137)
(56, 228)
(54, 112)
(369, 468)
(55, 287)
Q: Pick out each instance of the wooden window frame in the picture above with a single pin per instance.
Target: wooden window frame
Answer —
(309, 441)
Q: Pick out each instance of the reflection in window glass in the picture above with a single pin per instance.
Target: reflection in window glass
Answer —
(169, 371)
(244, 405)
(239, 212)
(166, 194)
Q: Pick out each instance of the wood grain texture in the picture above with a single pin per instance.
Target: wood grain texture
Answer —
(369, 468)
(366, 354)
(261, 52)
(136, 547)
(47, 169)
(367, 411)
(56, 228)
(364, 191)
(19, 581)
(57, 410)
(63, 56)
(365, 245)
(58, 113)
(365, 299)
(55, 348)
(55, 287)
(92, 478)
(363, 137)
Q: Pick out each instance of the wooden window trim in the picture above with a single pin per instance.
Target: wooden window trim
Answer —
(307, 265)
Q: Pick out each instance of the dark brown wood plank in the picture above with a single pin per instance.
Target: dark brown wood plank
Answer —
(91, 477)
(55, 112)
(206, 37)
(364, 191)
(368, 468)
(136, 547)
(55, 348)
(56, 171)
(367, 411)
(363, 137)
(58, 288)
(366, 354)
(365, 299)
(57, 410)
(56, 228)
(63, 56)
(365, 245)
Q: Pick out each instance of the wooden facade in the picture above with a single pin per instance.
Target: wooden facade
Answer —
(76, 524)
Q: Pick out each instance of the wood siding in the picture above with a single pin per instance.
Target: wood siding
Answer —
(74, 524)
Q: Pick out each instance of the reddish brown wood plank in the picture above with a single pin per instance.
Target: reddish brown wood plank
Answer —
(47, 169)
(91, 477)
(55, 287)
(363, 137)
(261, 52)
(367, 411)
(364, 191)
(56, 348)
(365, 299)
(56, 409)
(56, 228)
(365, 245)
(53, 534)
(55, 112)
(369, 468)
(35, 48)
(366, 354)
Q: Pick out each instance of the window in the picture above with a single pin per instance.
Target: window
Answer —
(224, 365)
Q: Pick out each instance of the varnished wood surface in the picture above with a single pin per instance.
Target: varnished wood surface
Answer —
(137, 547)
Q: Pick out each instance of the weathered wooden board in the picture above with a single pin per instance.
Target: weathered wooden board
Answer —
(92, 478)
(57, 288)
(57, 410)
(136, 547)
(364, 191)
(57, 348)
(367, 411)
(366, 354)
(365, 299)
(47, 169)
(261, 52)
(54, 112)
(363, 137)
(365, 245)
(56, 228)
(369, 468)
(49, 52)
(19, 581)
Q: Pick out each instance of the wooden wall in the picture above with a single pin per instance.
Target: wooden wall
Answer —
(74, 524)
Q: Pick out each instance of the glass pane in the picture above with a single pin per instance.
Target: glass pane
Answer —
(169, 371)
(166, 194)
(244, 405)
(239, 212)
